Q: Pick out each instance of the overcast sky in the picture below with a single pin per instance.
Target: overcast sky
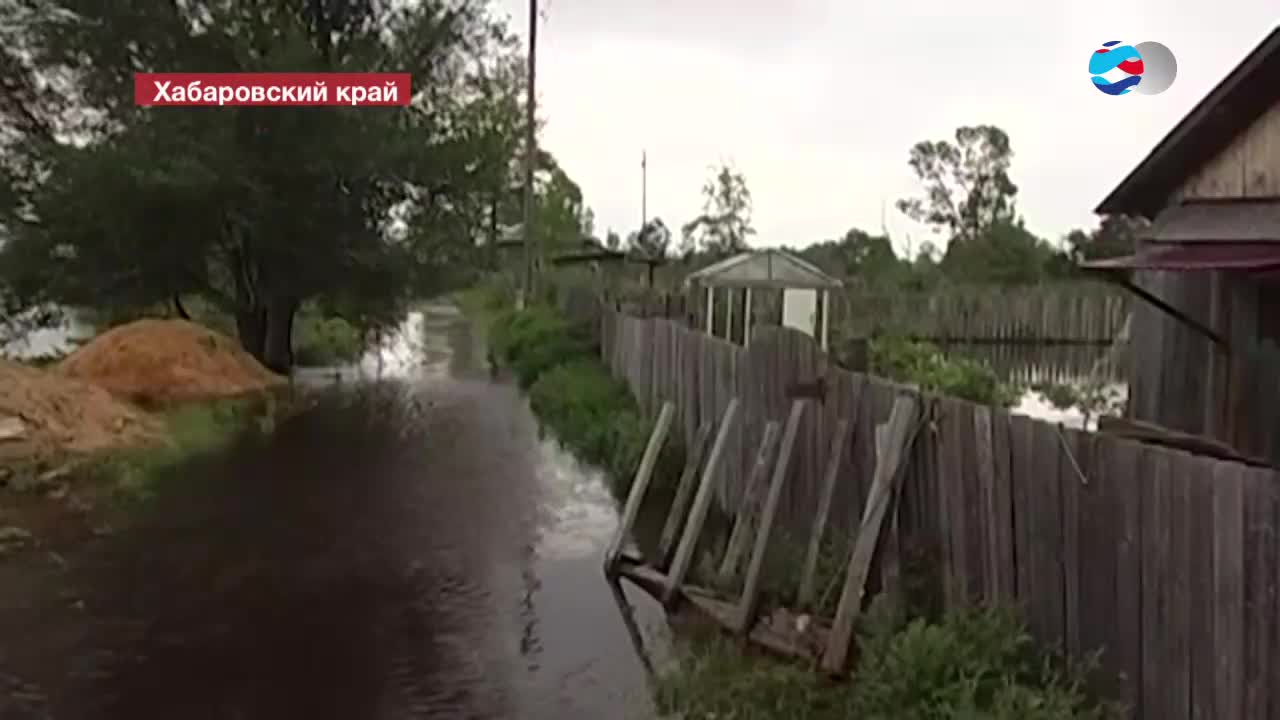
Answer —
(819, 101)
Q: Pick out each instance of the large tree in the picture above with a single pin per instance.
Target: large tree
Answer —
(652, 241)
(725, 223)
(256, 209)
(966, 182)
(1115, 235)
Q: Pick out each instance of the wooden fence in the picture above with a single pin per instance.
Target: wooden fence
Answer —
(1165, 561)
(1062, 313)
(1068, 312)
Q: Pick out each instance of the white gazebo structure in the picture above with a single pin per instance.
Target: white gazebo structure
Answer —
(805, 291)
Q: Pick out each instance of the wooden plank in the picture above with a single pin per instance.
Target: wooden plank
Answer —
(701, 504)
(1123, 478)
(1228, 585)
(1004, 568)
(1155, 510)
(951, 439)
(985, 475)
(684, 493)
(1071, 464)
(748, 508)
(751, 589)
(1097, 517)
(839, 439)
(1262, 663)
(883, 486)
(1200, 530)
(1045, 524)
(639, 486)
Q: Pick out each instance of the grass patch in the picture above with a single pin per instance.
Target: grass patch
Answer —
(591, 413)
(194, 430)
(975, 664)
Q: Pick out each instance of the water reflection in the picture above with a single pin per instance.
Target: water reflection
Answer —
(1028, 363)
(50, 341)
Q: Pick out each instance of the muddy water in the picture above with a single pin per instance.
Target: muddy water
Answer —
(409, 548)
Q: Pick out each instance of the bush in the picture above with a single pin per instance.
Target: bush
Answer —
(534, 340)
(968, 665)
(319, 340)
(923, 364)
(594, 415)
(973, 663)
(572, 393)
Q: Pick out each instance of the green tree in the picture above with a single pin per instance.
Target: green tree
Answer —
(255, 209)
(1116, 235)
(725, 223)
(967, 188)
(1006, 253)
(651, 241)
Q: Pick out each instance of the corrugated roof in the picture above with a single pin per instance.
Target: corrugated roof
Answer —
(1238, 221)
(1228, 110)
(763, 269)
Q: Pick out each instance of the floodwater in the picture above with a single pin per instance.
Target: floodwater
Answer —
(408, 548)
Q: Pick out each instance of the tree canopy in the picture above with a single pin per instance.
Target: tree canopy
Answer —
(258, 209)
(725, 223)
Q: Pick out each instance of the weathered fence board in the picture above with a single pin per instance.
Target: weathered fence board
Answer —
(1167, 563)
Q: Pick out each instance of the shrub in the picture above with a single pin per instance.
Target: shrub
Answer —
(973, 663)
(594, 415)
(320, 340)
(534, 340)
(968, 665)
(923, 364)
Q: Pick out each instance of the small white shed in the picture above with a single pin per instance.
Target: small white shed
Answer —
(805, 291)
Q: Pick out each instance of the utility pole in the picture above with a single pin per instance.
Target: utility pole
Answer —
(644, 188)
(530, 154)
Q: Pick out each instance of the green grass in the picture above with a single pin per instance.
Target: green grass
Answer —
(977, 664)
(193, 430)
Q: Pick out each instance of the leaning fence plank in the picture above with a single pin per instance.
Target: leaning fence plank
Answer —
(901, 421)
(751, 588)
(638, 487)
(701, 504)
(748, 509)
(684, 493)
(838, 441)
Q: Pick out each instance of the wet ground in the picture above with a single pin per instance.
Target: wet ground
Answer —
(409, 548)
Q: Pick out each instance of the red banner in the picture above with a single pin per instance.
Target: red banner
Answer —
(268, 89)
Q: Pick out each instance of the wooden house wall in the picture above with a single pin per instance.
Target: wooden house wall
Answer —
(1248, 168)
(1183, 381)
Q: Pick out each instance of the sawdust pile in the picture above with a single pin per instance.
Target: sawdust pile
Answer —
(44, 412)
(157, 362)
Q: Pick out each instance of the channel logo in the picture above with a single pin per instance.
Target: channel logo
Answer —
(1147, 68)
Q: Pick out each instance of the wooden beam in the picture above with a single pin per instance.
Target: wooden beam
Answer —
(834, 455)
(701, 504)
(1124, 281)
(883, 486)
(750, 502)
(751, 589)
(638, 487)
(684, 493)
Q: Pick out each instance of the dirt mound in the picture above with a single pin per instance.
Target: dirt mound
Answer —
(42, 411)
(155, 362)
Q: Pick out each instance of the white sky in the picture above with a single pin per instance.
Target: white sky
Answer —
(819, 101)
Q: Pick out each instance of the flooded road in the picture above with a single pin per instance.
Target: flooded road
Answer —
(407, 549)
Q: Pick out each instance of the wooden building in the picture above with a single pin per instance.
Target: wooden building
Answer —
(1203, 346)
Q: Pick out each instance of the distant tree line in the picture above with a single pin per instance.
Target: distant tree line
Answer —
(968, 201)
